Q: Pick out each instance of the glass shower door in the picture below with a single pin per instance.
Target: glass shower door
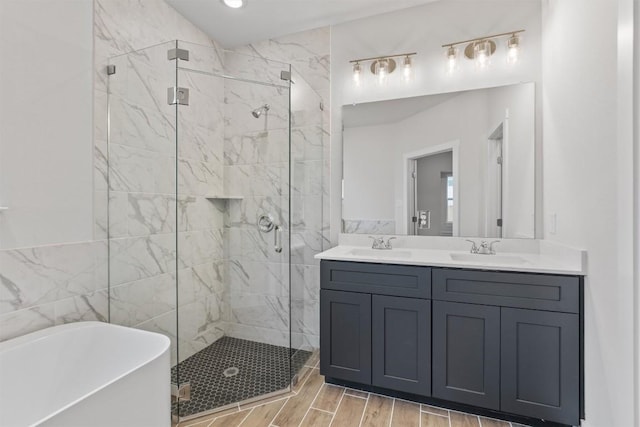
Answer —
(233, 229)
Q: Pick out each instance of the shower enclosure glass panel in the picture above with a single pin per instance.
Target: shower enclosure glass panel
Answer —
(141, 220)
(233, 229)
(201, 192)
(308, 145)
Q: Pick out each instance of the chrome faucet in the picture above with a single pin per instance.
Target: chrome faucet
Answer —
(474, 247)
(485, 248)
(379, 243)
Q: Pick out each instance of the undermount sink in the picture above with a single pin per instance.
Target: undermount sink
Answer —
(489, 259)
(380, 253)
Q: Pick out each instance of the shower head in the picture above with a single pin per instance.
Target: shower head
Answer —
(258, 111)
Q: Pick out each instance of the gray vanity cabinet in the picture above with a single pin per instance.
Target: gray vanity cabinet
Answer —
(466, 353)
(385, 344)
(401, 344)
(503, 341)
(540, 369)
(345, 336)
(529, 325)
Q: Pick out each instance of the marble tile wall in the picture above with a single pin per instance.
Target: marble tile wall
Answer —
(50, 285)
(369, 226)
(309, 54)
(256, 154)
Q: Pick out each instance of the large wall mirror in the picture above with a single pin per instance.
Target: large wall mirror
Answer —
(451, 164)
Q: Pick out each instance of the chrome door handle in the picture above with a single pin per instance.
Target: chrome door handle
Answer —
(277, 239)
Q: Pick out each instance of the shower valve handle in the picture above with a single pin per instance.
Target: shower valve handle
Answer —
(277, 239)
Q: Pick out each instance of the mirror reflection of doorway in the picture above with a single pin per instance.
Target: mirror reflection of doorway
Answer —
(432, 181)
(494, 203)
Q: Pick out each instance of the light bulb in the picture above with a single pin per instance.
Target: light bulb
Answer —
(407, 70)
(452, 60)
(513, 49)
(482, 52)
(382, 71)
(357, 74)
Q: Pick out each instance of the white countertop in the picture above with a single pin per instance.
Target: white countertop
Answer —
(531, 256)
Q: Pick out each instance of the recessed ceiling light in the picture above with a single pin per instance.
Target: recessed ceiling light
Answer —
(234, 4)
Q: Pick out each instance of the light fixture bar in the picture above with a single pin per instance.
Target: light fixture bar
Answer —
(385, 57)
(509, 33)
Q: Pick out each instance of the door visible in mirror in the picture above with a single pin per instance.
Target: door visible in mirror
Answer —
(432, 202)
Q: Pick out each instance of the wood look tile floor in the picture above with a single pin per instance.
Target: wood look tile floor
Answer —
(316, 404)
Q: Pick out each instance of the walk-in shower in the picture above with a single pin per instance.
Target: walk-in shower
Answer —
(190, 175)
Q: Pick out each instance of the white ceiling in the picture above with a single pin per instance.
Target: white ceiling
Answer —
(264, 19)
(391, 111)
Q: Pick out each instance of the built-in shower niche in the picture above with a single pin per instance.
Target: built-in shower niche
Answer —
(189, 176)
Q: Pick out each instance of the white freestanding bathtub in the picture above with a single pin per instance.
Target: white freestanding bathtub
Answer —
(85, 374)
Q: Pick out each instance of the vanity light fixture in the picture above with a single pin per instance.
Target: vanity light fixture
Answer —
(382, 66)
(407, 69)
(234, 4)
(357, 74)
(452, 59)
(513, 49)
(480, 50)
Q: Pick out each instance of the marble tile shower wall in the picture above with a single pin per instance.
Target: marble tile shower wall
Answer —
(256, 167)
(309, 54)
(142, 176)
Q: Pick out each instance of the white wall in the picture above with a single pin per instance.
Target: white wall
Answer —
(424, 29)
(588, 185)
(46, 173)
(369, 186)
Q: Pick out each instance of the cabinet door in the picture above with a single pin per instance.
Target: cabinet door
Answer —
(466, 353)
(541, 365)
(345, 335)
(401, 339)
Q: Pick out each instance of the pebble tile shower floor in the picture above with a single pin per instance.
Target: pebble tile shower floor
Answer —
(262, 369)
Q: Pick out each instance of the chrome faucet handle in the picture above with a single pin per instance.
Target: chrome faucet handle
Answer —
(487, 248)
(474, 247)
(378, 242)
(388, 244)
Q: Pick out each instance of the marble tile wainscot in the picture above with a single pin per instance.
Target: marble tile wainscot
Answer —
(50, 285)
